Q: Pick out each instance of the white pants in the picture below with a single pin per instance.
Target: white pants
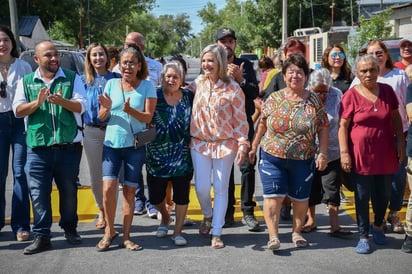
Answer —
(203, 167)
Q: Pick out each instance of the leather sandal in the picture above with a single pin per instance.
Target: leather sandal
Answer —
(217, 243)
(273, 243)
(205, 227)
(298, 240)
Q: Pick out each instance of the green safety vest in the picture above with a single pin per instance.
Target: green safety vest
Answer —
(50, 123)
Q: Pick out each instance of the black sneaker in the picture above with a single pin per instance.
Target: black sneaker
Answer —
(39, 244)
(251, 222)
(407, 245)
(72, 237)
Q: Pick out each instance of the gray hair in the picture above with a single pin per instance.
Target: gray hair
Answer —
(175, 65)
(365, 58)
(221, 57)
(320, 77)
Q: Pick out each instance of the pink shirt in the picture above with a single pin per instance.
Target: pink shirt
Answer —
(218, 125)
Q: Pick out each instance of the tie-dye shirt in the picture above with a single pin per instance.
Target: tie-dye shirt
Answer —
(169, 155)
(292, 126)
(219, 124)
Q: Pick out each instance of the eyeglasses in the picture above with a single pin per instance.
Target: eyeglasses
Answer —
(338, 54)
(321, 92)
(128, 64)
(3, 92)
(378, 53)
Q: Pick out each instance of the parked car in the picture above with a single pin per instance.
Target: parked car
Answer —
(252, 57)
(72, 60)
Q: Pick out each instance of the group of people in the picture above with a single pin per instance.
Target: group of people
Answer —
(348, 122)
(313, 127)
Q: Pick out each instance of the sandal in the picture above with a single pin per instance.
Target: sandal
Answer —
(309, 228)
(396, 224)
(100, 224)
(205, 226)
(217, 243)
(22, 236)
(105, 243)
(162, 230)
(340, 233)
(273, 243)
(298, 240)
(131, 246)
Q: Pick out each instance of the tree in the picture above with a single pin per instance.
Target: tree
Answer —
(376, 27)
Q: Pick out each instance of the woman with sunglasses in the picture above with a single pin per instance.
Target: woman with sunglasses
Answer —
(334, 59)
(12, 136)
(399, 81)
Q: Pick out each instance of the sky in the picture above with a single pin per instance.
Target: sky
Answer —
(190, 7)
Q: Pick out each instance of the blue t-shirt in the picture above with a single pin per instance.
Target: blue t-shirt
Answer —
(93, 90)
(409, 101)
(120, 126)
(169, 155)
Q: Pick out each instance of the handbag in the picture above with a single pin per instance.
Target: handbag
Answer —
(145, 136)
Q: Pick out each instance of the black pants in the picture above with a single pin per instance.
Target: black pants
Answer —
(247, 191)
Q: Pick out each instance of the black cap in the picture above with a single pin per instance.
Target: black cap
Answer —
(223, 32)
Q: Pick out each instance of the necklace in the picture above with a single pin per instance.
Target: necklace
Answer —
(373, 100)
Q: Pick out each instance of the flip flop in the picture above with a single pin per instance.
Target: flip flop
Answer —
(100, 224)
(131, 246)
(340, 233)
(106, 243)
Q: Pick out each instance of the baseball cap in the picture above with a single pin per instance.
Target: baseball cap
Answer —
(407, 38)
(223, 32)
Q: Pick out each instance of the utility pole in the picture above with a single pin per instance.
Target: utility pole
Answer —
(14, 22)
(284, 21)
(81, 25)
(332, 8)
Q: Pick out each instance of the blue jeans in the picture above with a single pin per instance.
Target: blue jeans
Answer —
(12, 135)
(61, 164)
(398, 187)
(374, 187)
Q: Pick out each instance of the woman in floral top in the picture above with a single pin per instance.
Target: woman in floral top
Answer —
(168, 157)
(219, 136)
(291, 120)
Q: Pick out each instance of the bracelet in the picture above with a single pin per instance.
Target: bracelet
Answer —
(323, 155)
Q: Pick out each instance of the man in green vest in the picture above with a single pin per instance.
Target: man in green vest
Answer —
(53, 100)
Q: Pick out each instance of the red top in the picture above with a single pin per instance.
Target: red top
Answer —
(371, 135)
(400, 65)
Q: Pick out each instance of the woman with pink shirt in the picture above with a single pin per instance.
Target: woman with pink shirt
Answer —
(219, 136)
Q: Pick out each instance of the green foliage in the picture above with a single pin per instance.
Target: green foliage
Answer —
(376, 27)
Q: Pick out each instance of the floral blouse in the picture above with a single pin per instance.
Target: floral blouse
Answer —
(218, 126)
(292, 126)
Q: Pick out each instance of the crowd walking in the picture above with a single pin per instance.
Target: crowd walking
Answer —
(312, 132)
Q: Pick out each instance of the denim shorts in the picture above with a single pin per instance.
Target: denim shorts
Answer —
(133, 160)
(285, 177)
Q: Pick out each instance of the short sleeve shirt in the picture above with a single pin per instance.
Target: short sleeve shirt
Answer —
(292, 126)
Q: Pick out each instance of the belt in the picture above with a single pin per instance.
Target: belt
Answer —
(60, 146)
(102, 127)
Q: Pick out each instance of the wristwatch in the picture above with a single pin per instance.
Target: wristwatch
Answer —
(243, 82)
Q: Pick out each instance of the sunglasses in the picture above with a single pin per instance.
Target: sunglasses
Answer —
(3, 85)
(377, 53)
(338, 54)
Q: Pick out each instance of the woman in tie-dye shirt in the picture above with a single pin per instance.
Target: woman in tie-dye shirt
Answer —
(219, 136)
